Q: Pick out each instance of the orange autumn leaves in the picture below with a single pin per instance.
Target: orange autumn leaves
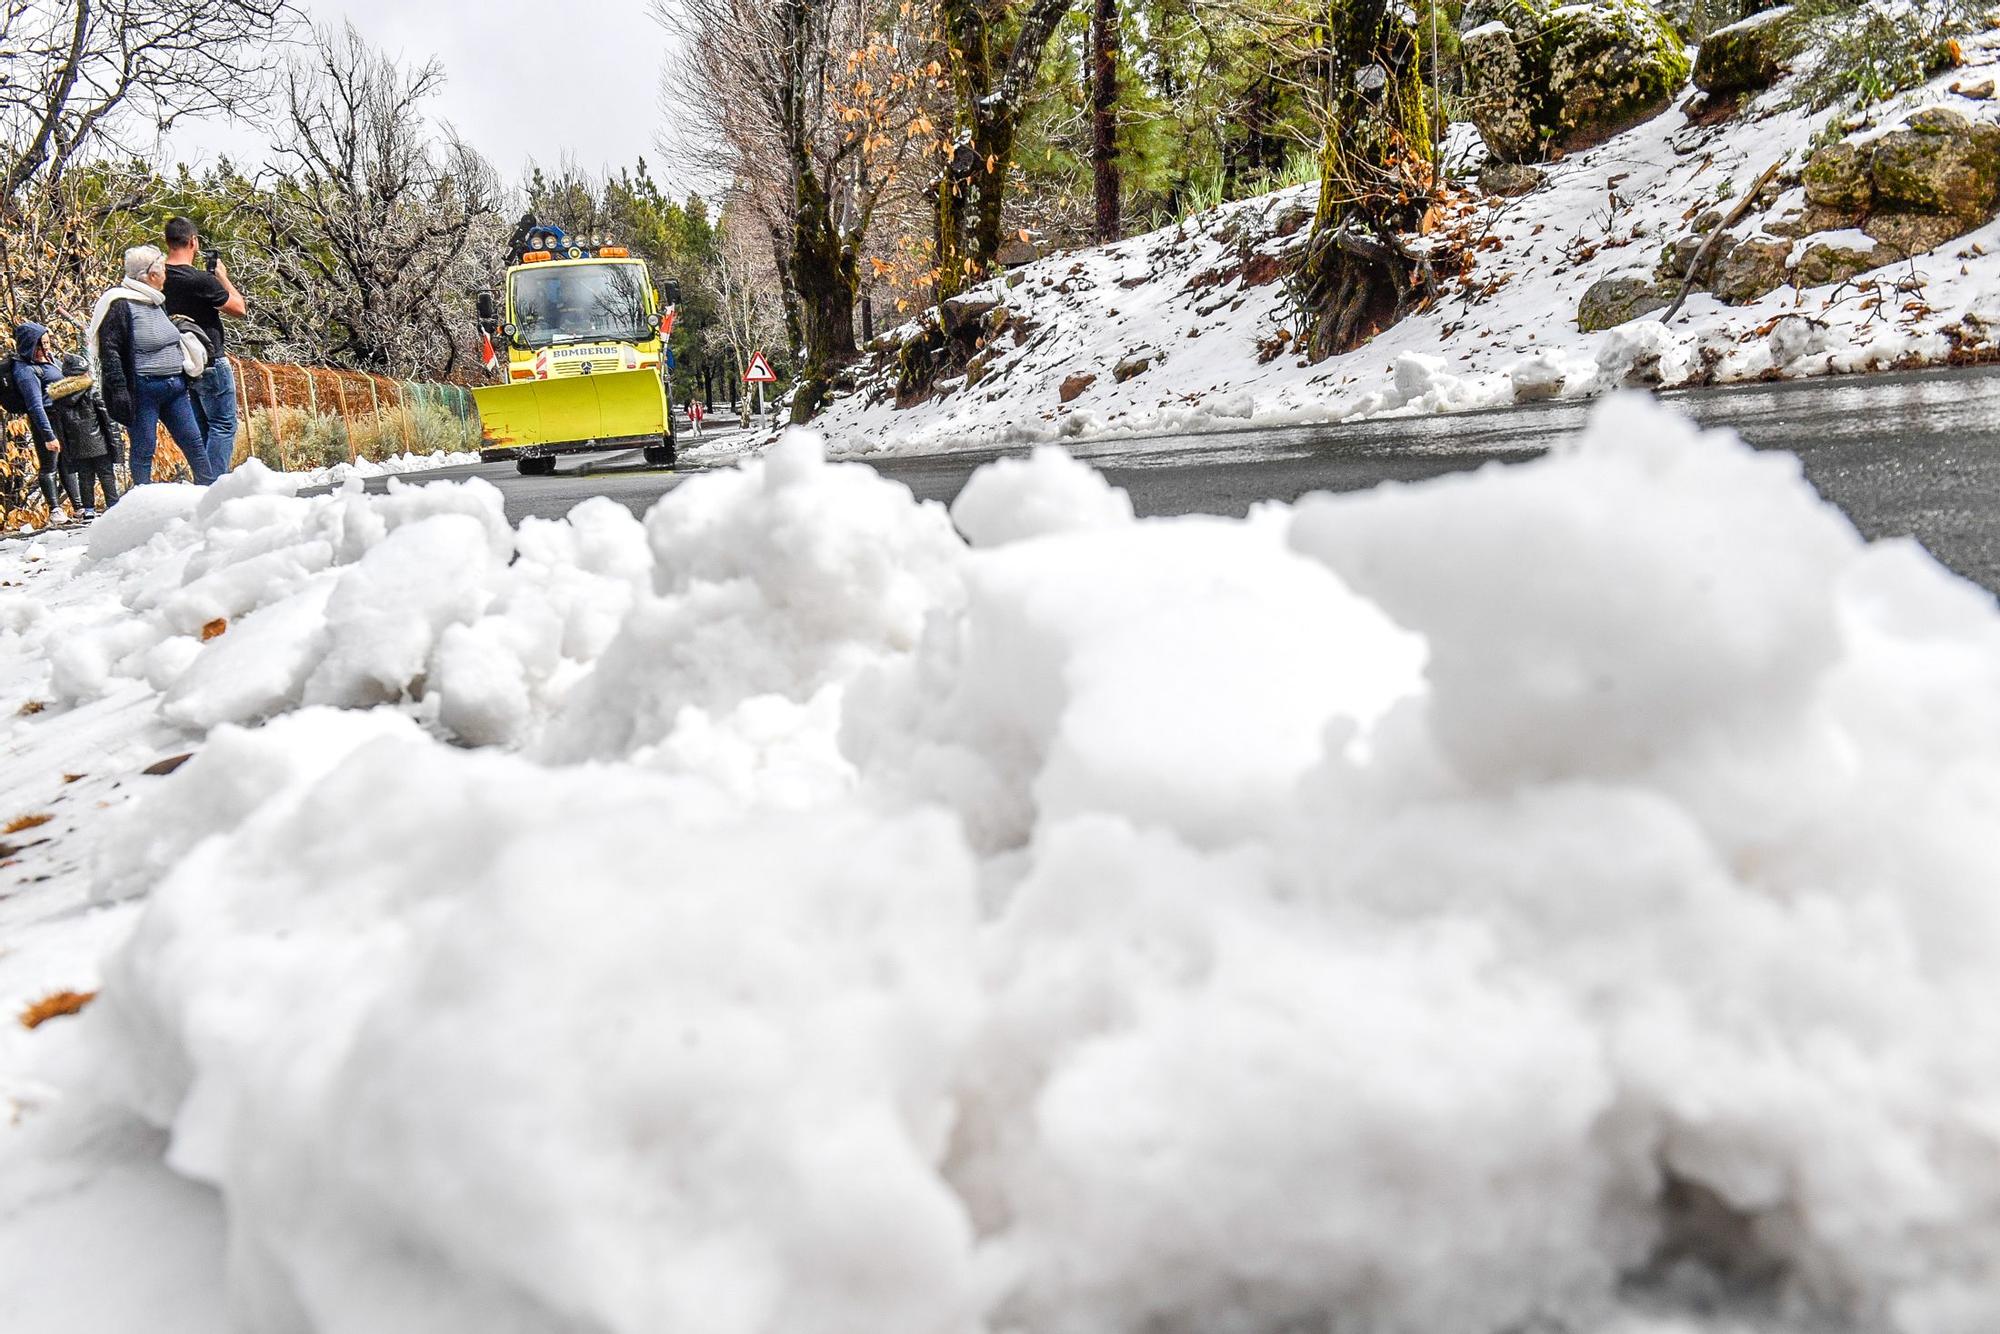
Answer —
(55, 1005)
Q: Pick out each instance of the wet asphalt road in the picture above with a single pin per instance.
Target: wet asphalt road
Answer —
(1903, 455)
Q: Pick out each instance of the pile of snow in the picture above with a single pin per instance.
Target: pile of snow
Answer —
(1552, 897)
(395, 465)
(1193, 328)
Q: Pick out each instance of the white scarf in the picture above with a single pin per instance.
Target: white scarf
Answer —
(131, 289)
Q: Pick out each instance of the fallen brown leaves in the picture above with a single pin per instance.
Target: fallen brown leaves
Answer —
(55, 1005)
(21, 822)
(32, 707)
(214, 628)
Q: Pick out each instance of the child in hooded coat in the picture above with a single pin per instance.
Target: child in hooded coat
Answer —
(89, 436)
(34, 372)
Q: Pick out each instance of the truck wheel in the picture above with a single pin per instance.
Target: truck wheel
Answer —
(543, 467)
(661, 455)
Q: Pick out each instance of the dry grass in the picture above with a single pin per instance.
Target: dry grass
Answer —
(296, 440)
(24, 822)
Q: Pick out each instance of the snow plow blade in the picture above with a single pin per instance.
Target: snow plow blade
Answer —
(578, 412)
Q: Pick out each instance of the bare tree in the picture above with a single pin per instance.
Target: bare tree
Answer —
(747, 304)
(818, 109)
(78, 72)
(378, 224)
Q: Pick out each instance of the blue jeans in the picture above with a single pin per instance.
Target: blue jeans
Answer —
(215, 407)
(165, 398)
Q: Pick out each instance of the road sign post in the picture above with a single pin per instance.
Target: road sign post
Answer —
(759, 374)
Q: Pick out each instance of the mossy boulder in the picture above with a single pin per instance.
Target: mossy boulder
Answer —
(1679, 253)
(1755, 265)
(1838, 257)
(1612, 65)
(1547, 77)
(1933, 178)
(1914, 233)
(1941, 163)
(1695, 19)
(1744, 57)
(1509, 178)
(1504, 107)
(1614, 301)
(1836, 177)
(1737, 268)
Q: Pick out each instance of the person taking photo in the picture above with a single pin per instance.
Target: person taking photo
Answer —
(203, 293)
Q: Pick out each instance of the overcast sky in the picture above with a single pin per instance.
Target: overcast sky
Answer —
(527, 80)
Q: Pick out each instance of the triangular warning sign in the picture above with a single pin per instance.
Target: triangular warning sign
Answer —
(760, 371)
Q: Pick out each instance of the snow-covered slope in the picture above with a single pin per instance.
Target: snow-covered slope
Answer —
(1193, 326)
(1558, 897)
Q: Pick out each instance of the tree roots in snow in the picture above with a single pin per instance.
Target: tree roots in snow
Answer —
(1356, 285)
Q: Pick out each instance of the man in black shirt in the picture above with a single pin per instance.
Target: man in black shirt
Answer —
(205, 295)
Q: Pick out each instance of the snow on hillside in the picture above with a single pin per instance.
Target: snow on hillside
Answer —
(1557, 897)
(1191, 327)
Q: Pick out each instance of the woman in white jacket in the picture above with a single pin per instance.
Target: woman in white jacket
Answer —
(141, 366)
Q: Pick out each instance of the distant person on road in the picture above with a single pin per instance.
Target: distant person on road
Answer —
(204, 294)
(89, 437)
(695, 413)
(34, 369)
(140, 366)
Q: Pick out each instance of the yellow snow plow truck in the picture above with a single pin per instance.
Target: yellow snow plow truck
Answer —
(583, 335)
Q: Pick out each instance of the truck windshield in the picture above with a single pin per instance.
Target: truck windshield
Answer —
(581, 301)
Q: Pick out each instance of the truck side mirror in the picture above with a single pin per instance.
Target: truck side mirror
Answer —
(672, 289)
(488, 308)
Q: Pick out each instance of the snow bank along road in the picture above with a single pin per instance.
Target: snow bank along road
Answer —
(1554, 898)
(1902, 454)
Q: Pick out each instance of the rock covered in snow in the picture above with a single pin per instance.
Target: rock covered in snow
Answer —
(1940, 161)
(1496, 68)
(1793, 337)
(1833, 257)
(1913, 187)
(1547, 76)
(1642, 353)
(1753, 266)
(1734, 266)
(1745, 56)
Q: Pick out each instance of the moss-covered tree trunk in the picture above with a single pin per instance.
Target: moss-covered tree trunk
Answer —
(1377, 176)
(995, 50)
(825, 274)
